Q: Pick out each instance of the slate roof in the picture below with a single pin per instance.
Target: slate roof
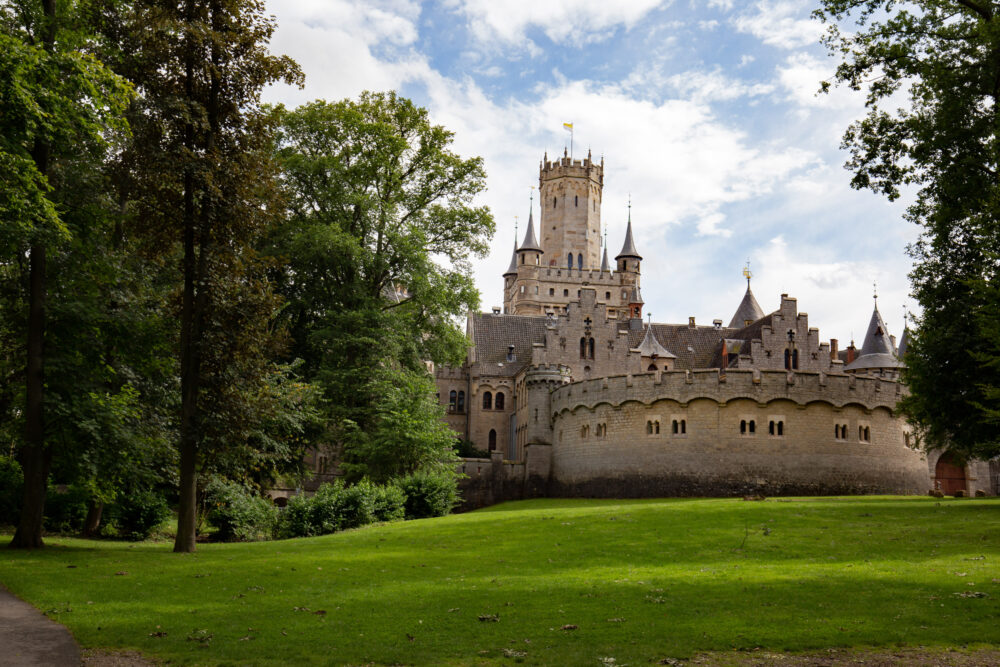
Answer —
(605, 264)
(650, 347)
(903, 341)
(512, 269)
(530, 241)
(491, 335)
(679, 337)
(877, 350)
(628, 250)
(748, 309)
(734, 347)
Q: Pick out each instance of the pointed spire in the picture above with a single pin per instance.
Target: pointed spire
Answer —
(628, 250)
(530, 241)
(749, 310)
(512, 269)
(650, 347)
(605, 264)
(876, 350)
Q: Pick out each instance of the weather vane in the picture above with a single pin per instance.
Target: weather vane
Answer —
(746, 272)
(515, 228)
(875, 290)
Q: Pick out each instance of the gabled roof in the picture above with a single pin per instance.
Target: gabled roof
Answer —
(877, 350)
(493, 334)
(650, 347)
(748, 311)
(530, 242)
(693, 347)
(605, 264)
(512, 269)
(628, 250)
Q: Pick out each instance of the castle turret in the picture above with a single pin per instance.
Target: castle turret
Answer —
(654, 356)
(628, 259)
(571, 192)
(877, 352)
(749, 311)
(530, 252)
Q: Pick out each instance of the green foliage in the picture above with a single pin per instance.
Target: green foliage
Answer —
(237, 514)
(467, 449)
(137, 514)
(381, 226)
(11, 488)
(66, 510)
(335, 507)
(945, 144)
(429, 494)
(389, 502)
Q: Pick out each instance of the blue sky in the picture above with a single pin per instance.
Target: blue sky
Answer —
(706, 112)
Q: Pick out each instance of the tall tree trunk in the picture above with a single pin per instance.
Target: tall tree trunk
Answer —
(187, 508)
(93, 521)
(35, 456)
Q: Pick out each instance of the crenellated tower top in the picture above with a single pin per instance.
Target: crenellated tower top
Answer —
(570, 202)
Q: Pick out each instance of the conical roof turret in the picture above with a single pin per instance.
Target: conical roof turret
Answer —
(748, 311)
(512, 269)
(903, 342)
(650, 347)
(876, 351)
(530, 241)
(605, 264)
(628, 250)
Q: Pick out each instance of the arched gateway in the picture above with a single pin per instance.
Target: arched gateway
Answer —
(949, 474)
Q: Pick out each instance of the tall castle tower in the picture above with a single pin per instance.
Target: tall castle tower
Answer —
(545, 276)
(570, 202)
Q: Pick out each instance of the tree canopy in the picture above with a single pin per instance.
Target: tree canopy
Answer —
(931, 75)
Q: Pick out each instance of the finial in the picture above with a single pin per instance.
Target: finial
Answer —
(546, 158)
(649, 318)
(746, 273)
(875, 290)
(531, 197)
(588, 153)
(515, 229)
(605, 237)
(630, 207)
(565, 152)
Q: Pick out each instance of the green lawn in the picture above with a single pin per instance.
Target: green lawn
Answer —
(639, 580)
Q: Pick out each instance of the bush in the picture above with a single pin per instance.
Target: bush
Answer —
(237, 514)
(138, 514)
(389, 502)
(65, 511)
(429, 494)
(11, 490)
(296, 520)
(468, 450)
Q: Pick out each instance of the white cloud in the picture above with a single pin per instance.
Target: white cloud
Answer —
(781, 23)
(714, 86)
(562, 21)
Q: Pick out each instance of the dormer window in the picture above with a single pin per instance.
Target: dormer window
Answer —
(510, 353)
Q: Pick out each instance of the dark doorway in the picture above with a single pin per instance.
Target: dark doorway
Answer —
(949, 474)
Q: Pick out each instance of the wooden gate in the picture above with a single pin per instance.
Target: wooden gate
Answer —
(949, 474)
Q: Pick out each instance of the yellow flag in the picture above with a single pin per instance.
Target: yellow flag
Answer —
(568, 126)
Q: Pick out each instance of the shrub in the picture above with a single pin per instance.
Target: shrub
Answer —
(11, 490)
(336, 507)
(429, 494)
(237, 514)
(389, 503)
(296, 520)
(467, 449)
(138, 514)
(65, 511)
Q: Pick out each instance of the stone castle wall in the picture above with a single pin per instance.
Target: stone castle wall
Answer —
(602, 445)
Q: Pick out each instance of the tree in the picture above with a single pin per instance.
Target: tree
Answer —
(199, 181)
(381, 225)
(945, 55)
(57, 105)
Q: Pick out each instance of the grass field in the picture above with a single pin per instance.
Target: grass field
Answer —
(545, 582)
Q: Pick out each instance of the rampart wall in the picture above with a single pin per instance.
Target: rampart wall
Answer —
(615, 436)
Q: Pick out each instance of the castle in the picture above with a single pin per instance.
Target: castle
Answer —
(573, 394)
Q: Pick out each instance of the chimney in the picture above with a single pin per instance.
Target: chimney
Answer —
(892, 339)
(834, 348)
(717, 324)
(850, 352)
(691, 323)
(496, 310)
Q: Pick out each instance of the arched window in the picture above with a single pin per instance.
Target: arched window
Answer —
(676, 427)
(451, 400)
(781, 428)
(579, 260)
(743, 427)
(487, 401)
(590, 349)
(656, 427)
(583, 348)
(795, 359)
(553, 202)
(576, 201)
(607, 296)
(788, 360)
(565, 292)
(460, 406)
(552, 292)
(868, 434)
(652, 367)
(770, 428)
(753, 427)
(649, 428)
(569, 260)
(493, 439)
(499, 401)
(684, 426)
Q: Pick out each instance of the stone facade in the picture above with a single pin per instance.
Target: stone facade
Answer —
(597, 402)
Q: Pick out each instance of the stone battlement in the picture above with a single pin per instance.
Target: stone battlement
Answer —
(568, 167)
(762, 386)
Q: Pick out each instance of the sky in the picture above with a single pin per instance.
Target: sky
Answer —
(706, 112)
